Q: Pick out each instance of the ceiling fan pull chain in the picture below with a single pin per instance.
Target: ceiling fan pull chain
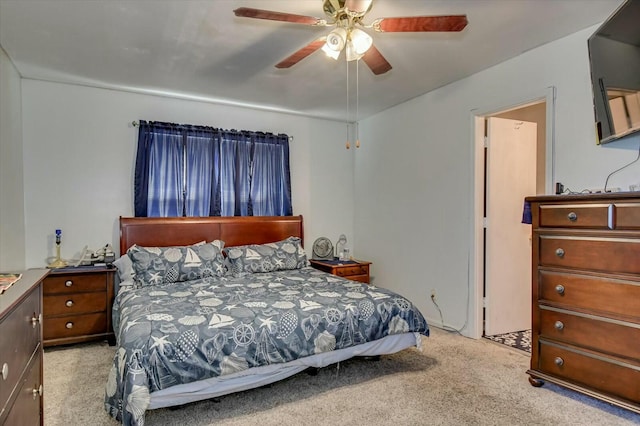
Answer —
(357, 103)
(348, 144)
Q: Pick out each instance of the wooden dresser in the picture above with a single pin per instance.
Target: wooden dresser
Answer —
(21, 351)
(586, 295)
(355, 270)
(77, 305)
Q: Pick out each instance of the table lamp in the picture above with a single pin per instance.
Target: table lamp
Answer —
(58, 262)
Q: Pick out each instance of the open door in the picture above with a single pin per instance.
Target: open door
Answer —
(510, 176)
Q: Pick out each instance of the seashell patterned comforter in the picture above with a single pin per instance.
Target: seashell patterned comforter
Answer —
(188, 331)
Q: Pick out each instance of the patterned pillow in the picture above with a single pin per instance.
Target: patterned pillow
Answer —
(278, 256)
(162, 265)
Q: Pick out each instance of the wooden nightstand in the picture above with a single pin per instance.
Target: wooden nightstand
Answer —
(356, 270)
(77, 305)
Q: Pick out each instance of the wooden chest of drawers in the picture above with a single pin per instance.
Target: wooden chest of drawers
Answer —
(354, 270)
(21, 351)
(77, 305)
(586, 295)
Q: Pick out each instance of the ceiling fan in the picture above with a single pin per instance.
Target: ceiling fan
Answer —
(349, 35)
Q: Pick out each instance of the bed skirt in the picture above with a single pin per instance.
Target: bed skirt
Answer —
(261, 376)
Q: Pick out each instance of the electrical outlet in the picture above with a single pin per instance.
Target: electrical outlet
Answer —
(433, 294)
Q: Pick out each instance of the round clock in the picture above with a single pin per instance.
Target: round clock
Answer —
(323, 249)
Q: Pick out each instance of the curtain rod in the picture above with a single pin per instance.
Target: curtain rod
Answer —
(137, 124)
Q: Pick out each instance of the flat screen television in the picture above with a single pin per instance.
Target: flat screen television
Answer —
(614, 56)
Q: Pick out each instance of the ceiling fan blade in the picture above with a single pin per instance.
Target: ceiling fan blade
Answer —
(421, 23)
(248, 12)
(374, 59)
(302, 53)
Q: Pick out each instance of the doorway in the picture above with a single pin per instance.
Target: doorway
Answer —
(495, 307)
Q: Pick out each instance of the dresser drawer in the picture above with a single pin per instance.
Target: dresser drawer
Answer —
(75, 325)
(26, 409)
(591, 332)
(600, 294)
(23, 339)
(597, 372)
(75, 303)
(69, 283)
(597, 216)
(627, 215)
(595, 254)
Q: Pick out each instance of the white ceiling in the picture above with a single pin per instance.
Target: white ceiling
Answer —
(199, 49)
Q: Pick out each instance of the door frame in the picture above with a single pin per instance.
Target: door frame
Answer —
(478, 116)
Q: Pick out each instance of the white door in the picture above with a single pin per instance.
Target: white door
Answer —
(510, 176)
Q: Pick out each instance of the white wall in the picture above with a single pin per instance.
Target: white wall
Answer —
(412, 183)
(12, 244)
(413, 176)
(79, 155)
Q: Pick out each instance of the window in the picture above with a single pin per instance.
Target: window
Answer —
(184, 170)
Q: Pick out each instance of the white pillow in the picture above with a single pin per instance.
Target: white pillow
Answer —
(124, 265)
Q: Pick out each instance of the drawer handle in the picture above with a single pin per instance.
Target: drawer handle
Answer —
(558, 361)
(68, 303)
(558, 325)
(35, 319)
(560, 289)
(37, 392)
(69, 324)
(560, 252)
(68, 283)
(572, 217)
(5, 371)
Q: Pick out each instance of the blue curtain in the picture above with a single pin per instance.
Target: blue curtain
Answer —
(184, 170)
(235, 179)
(202, 171)
(271, 182)
(158, 188)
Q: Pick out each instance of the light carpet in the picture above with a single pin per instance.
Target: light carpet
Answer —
(453, 381)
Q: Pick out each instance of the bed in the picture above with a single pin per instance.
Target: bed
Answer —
(211, 306)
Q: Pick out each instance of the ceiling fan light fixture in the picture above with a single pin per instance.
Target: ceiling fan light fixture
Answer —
(336, 39)
(360, 40)
(330, 52)
(351, 53)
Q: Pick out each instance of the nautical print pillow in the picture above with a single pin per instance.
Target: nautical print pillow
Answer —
(124, 266)
(256, 258)
(163, 265)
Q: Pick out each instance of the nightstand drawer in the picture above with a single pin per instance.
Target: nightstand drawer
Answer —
(361, 278)
(608, 375)
(591, 332)
(69, 283)
(77, 303)
(352, 270)
(75, 325)
(348, 271)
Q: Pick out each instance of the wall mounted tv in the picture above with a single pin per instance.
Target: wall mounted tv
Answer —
(614, 55)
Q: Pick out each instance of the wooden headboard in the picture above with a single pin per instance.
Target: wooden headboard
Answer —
(181, 231)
